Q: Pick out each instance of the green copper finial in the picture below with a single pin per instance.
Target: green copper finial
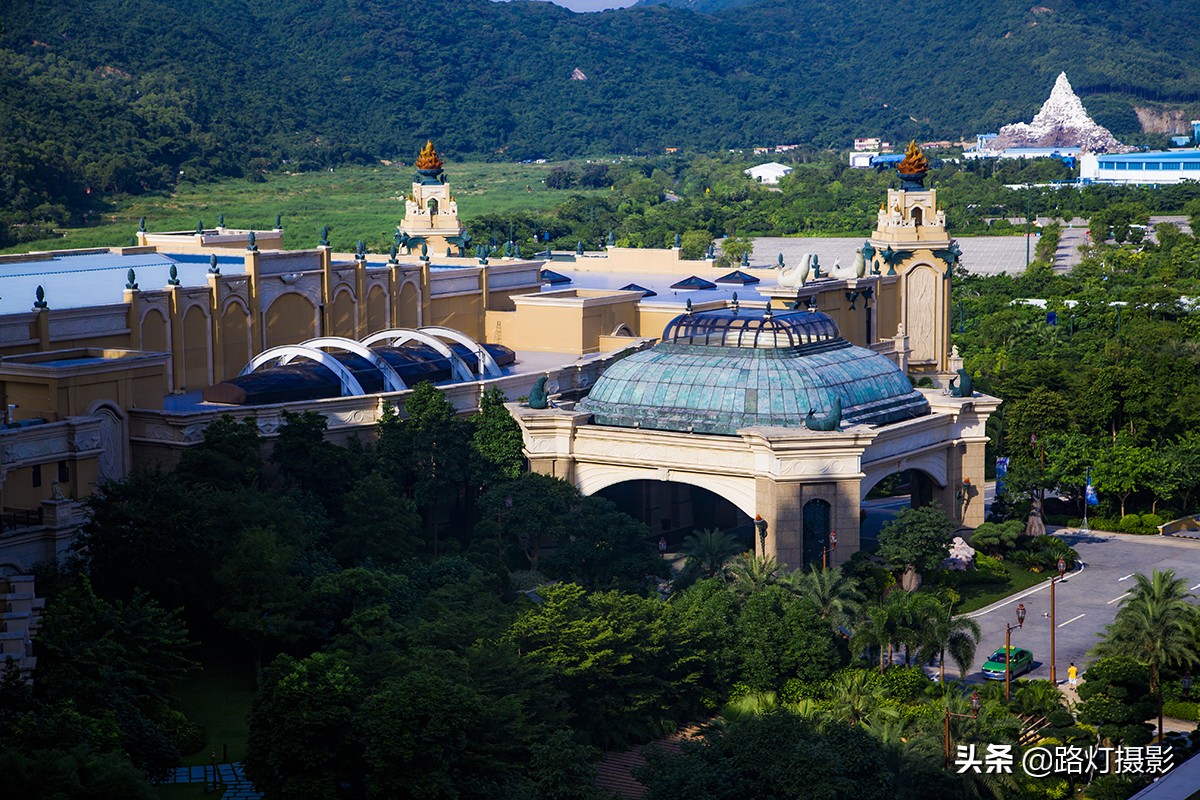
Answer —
(213, 269)
(199, 226)
(40, 302)
(324, 236)
(252, 243)
(278, 222)
(130, 281)
(220, 220)
(173, 276)
(142, 225)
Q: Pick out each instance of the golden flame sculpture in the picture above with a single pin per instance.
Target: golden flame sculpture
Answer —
(914, 162)
(429, 159)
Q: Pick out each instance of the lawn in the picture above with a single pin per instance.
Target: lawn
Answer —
(218, 696)
(981, 595)
(355, 202)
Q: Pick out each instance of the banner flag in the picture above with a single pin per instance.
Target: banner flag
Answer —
(1090, 492)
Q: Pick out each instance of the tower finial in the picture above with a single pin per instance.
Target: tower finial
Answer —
(429, 158)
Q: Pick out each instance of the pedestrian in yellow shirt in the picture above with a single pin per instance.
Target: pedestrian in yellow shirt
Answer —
(1073, 674)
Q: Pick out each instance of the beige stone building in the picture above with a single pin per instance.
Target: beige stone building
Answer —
(128, 353)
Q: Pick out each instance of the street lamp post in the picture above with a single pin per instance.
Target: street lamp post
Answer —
(1062, 569)
(975, 703)
(830, 547)
(1008, 629)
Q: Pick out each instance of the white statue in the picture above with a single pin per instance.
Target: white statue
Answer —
(961, 557)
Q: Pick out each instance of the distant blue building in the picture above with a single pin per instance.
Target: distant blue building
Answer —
(1150, 168)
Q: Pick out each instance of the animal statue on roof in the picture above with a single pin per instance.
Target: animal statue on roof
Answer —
(830, 422)
(962, 386)
(797, 275)
(860, 263)
(537, 395)
(462, 242)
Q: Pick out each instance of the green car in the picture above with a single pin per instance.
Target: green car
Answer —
(1022, 662)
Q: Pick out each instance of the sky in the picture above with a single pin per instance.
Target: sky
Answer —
(592, 5)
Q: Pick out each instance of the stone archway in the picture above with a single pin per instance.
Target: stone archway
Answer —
(675, 509)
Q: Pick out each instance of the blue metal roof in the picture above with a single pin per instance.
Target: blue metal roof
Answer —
(738, 277)
(553, 278)
(693, 283)
(1153, 155)
(633, 287)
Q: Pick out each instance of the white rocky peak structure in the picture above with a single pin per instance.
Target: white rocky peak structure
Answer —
(1062, 122)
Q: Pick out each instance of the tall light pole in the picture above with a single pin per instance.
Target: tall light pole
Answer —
(1062, 569)
(975, 703)
(1008, 629)
(830, 547)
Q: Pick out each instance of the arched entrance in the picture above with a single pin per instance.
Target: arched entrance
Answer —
(891, 494)
(816, 522)
(674, 510)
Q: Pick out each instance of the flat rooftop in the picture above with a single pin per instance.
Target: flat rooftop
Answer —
(91, 278)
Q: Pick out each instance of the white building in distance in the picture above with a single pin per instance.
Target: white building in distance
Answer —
(770, 172)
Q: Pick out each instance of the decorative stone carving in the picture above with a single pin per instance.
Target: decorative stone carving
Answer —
(962, 556)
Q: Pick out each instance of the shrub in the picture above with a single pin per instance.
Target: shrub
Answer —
(996, 537)
(990, 569)
(1150, 522)
(1130, 523)
(905, 683)
(1182, 709)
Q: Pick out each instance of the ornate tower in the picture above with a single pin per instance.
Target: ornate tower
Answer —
(910, 241)
(430, 213)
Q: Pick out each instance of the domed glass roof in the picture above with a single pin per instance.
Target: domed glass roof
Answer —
(752, 328)
(719, 371)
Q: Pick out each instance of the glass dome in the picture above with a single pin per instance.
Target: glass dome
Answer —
(753, 328)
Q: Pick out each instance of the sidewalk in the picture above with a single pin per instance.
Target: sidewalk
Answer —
(237, 786)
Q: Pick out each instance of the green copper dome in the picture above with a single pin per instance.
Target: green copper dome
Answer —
(719, 371)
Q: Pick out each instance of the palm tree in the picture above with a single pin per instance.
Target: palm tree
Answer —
(709, 550)
(872, 632)
(750, 573)
(1156, 626)
(907, 616)
(943, 633)
(853, 696)
(835, 595)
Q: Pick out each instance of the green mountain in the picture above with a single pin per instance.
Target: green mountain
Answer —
(127, 95)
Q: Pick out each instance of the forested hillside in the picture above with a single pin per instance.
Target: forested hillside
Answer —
(115, 96)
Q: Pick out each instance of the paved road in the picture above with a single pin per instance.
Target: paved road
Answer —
(1087, 600)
